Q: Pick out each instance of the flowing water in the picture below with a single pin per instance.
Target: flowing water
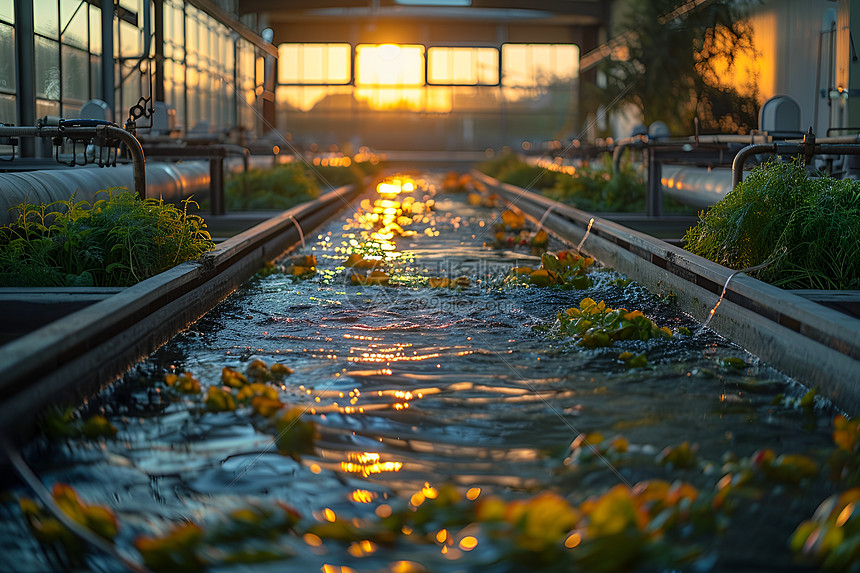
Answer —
(417, 392)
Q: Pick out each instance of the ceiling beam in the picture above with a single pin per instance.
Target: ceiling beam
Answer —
(598, 9)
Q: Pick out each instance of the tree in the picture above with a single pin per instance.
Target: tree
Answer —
(675, 68)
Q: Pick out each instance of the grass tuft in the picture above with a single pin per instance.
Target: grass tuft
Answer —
(117, 241)
(810, 225)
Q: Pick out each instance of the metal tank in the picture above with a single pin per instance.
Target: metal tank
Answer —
(171, 181)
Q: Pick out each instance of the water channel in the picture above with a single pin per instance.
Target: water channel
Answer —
(428, 403)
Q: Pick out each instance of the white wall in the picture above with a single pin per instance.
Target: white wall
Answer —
(786, 35)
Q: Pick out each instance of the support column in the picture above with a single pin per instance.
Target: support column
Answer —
(654, 192)
(108, 79)
(158, 29)
(25, 47)
(216, 185)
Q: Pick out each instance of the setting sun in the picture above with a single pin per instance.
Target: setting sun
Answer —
(389, 65)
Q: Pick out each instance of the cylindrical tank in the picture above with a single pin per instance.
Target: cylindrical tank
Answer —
(171, 181)
(696, 186)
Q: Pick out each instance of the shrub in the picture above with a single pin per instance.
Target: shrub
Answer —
(279, 187)
(808, 225)
(117, 241)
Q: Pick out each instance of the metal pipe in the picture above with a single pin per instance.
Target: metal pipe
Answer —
(215, 153)
(102, 131)
(636, 141)
(722, 138)
(741, 158)
(137, 158)
(788, 148)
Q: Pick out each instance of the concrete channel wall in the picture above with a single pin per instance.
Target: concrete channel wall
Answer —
(72, 357)
(818, 346)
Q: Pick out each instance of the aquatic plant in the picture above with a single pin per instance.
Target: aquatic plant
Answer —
(592, 186)
(831, 538)
(444, 282)
(245, 535)
(844, 462)
(117, 241)
(48, 530)
(807, 225)
(356, 261)
(219, 400)
(379, 278)
(184, 383)
(565, 270)
(59, 423)
(594, 324)
(455, 182)
(294, 434)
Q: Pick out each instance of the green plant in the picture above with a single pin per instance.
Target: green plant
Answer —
(808, 225)
(116, 241)
(500, 163)
(594, 187)
(279, 187)
(594, 324)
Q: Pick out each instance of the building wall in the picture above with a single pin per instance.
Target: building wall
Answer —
(796, 42)
(210, 73)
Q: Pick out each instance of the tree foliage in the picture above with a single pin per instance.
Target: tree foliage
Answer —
(678, 69)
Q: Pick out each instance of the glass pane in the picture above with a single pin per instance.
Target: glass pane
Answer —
(229, 57)
(177, 34)
(488, 66)
(314, 63)
(536, 65)
(8, 113)
(75, 67)
(515, 71)
(46, 18)
(47, 68)
(7, 57)
(178, 74)
(389, 65)
(44, 107)
(129, 40)
(73, 22)
(71, 111)
(7, 11)
(96, 77)
(339, 63)
(95, 30)
(464, 66)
